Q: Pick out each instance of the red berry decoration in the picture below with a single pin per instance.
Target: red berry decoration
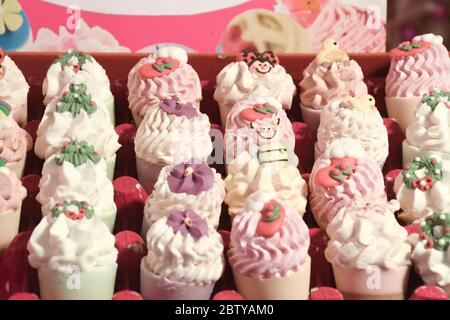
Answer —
(272, 219)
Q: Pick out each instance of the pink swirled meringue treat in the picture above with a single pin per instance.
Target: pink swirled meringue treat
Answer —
(253, 75)
(417, 67)
(331, 76)
(13, 90)
(370, 252)
(12, 193)
(269, 250)
(15, 142)
(162, 75)
(342, 176)
(356, 118)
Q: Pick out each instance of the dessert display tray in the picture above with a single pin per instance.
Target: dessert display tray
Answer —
(15, 273)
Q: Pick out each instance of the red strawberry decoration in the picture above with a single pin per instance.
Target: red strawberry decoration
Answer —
(338, 171)
(259, 111)
(272, 219)
(429, 292)
(410, 49)
(127, 295)
(23, 296)
(325, 293)
(161, 67)
(228, 295)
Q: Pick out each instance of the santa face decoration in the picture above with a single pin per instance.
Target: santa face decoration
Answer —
(259, 63)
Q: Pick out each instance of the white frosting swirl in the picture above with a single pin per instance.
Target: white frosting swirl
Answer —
(92, 74)
(14, 90)
(433, 265)
(88, 182)
(207, 204)
(430, 37)
(56, 129)
(367, 128)
(164, 138)
(431, 129)
(416, 203)
(172, 52)
(183, 259)
(368, 235)
(235, 82)
(67, 246)
(246, 176)
(344, 148)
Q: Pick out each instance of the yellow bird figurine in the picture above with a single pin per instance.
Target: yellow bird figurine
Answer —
(331, 52)
(364, 103)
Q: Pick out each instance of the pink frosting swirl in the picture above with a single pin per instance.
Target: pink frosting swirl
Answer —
(323, 84)
(419, 74)
(256, 256)
(14, 141)
(366, 184)
(146, 93)
(12, 192)
(357, 29)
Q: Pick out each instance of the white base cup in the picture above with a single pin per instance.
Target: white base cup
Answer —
(311, 117)
(147, 173)
(145, 227)
(110, 104)
(402, 109)
(94, 284)
(294, 287)
(154, 287)
(110, 167)
(224, 111)
(372, 283)
(411, 152)
(109, 218)
(17, 167)
(9, 227)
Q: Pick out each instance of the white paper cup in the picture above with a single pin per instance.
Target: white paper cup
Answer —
(147, 173)
(294, 287)
(93, 284)
(402, 109)
(411, 152)
(311, 117)
(9, 227)
(110, 104)
(17, 167)
(110, 167)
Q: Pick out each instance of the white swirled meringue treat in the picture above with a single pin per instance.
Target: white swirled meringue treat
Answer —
(163, 74)
(343, 175)
(185, 258)
(246, 175)
(429, 132)
(269, 250)
(172, 132)
(77, 116)
(77, 172)
(431, 249)
(189, 185)
(77, 67)
(369, 252)
(74, 253)
(355, 118)
(423, 187)
(13, 89)
(253, 75)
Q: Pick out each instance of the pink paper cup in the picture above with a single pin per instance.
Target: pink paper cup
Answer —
(147, 173)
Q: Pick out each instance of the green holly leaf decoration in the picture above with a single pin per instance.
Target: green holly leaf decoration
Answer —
(67, 56)
(76, 100)
(435, 231)
(78, 153)
(433, 173)
(433, 99)
(84, 210)
(5, 108)
(2, 163)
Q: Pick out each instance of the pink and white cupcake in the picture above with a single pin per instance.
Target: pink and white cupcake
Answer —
(74, 254)
(172, 132)
(417, 68)
(12, 193)
(15, 142)
(431, 250)
(253, 75)
(331, 76)
(342, 176)
(356, 118)
(357, 28)
(184, 261)
(13, 89)
(77, 67)
(190, 185)
(423, 188)
(429, 132)
(269, 250)
(162, 75)
(261, 127)
(77, 116)
(77, 172)
(370, 252)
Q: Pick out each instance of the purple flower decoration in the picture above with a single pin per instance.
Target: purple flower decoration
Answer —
(191, 178)
(172, 106)
(188, 222)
